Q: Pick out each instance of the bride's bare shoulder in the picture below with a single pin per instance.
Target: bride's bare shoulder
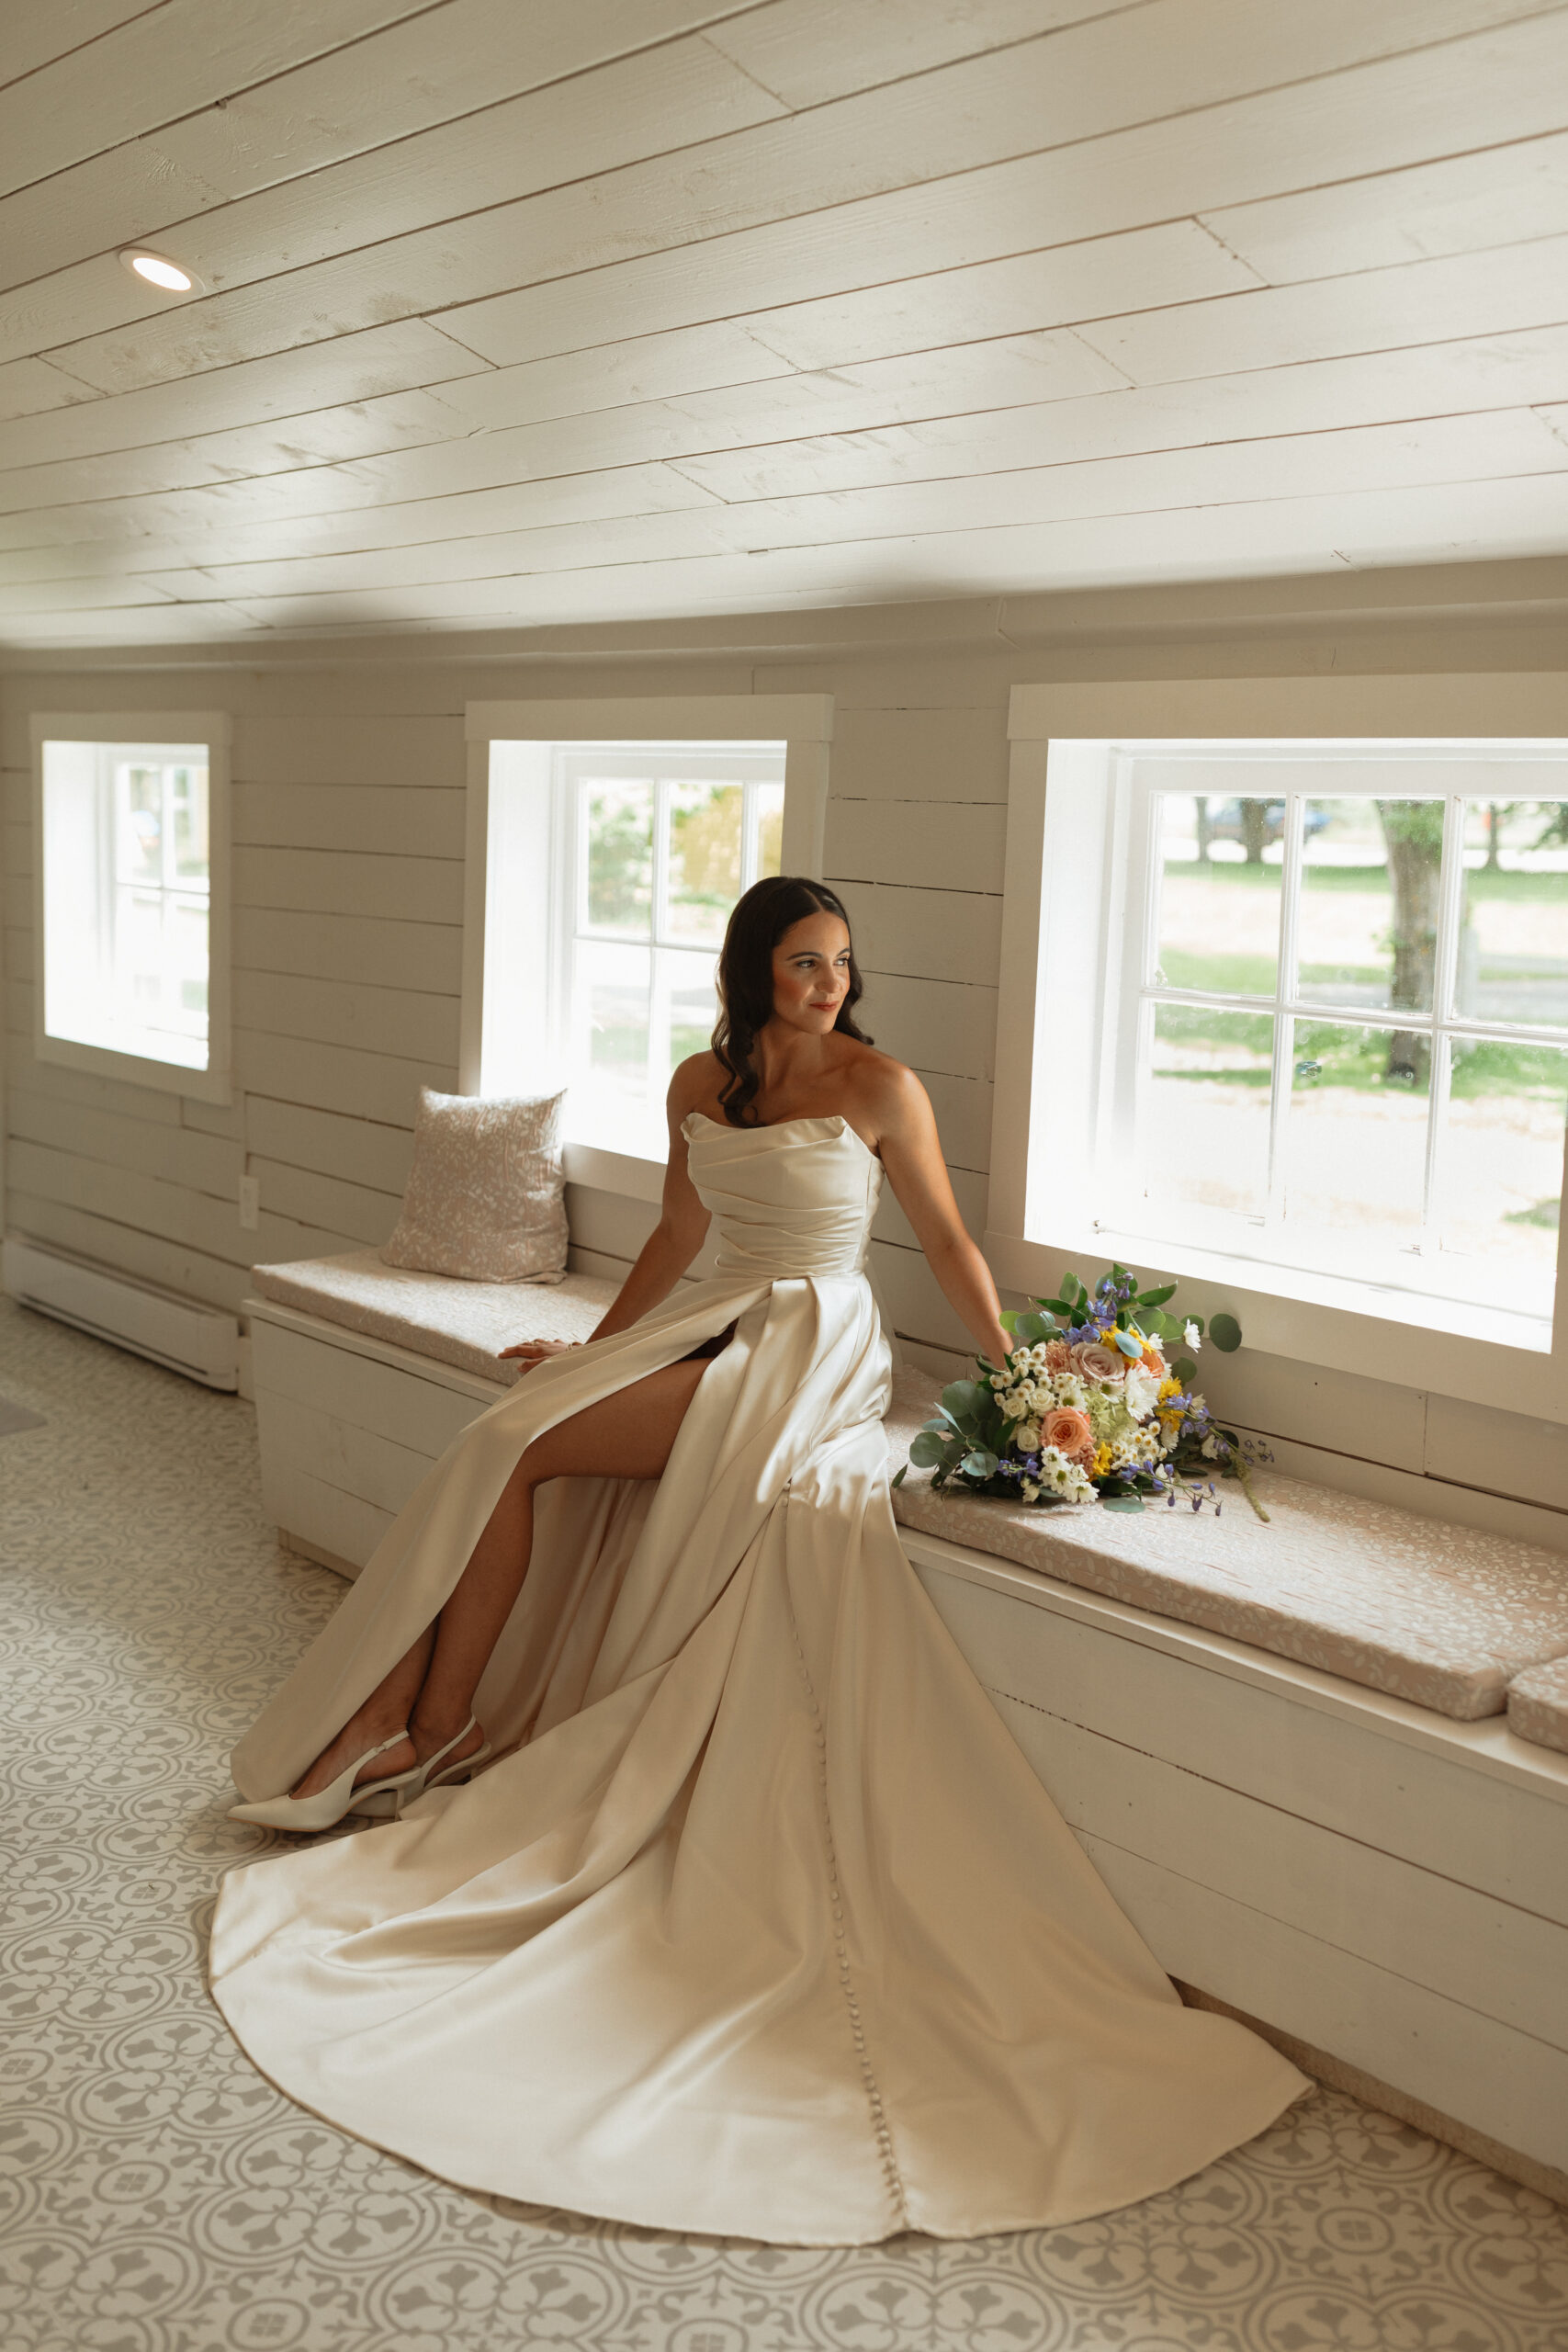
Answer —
(886, 1091)
(696, 1081)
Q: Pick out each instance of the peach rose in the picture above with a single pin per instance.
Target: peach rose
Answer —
(1068, 1431)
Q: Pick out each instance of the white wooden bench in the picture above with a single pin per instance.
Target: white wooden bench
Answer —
(1384, 1886)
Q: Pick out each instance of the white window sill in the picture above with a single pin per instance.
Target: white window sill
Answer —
(136, 1070)
(1344, 1325)
(636, 1175)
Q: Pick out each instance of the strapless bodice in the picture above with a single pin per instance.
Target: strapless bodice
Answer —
(788, 1201)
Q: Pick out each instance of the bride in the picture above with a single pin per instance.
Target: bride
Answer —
(716, 1896)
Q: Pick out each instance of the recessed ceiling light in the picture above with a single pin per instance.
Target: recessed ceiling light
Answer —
(159, 270)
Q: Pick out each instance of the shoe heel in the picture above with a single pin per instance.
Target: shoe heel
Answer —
(451, 1774)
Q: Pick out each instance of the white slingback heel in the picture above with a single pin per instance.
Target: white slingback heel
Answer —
(430, 1774)
(435, 1773)
(328, 1806)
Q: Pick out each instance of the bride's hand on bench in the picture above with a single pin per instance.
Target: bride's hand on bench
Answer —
(534, 1351)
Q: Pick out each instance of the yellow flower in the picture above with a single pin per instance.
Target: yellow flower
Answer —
(1100, 1466)
(1170, 1388)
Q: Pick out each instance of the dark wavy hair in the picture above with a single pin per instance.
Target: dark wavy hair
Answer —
(761, 919)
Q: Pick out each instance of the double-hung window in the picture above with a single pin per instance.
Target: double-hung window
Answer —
(1292, 1012)
(655, 843)
(130, 877)
(605, 857)
(1340, 1042)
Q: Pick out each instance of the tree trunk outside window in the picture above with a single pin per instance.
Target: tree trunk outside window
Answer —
(1254, 829)
(1413, 831)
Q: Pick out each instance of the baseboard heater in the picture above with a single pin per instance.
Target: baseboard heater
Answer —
(200, 1342)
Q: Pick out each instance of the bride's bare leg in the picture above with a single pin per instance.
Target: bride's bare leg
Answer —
(628, 1435)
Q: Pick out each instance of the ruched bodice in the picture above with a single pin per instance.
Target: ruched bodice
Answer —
(791, 1201)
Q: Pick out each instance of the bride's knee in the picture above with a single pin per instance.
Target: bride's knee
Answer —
(532, 1468)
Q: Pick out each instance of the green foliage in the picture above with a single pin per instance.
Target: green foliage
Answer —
(1224, 1332)
(1223, 975)
(1418, 823)
(1488, 1068)
(620, 857)
(1497, 882)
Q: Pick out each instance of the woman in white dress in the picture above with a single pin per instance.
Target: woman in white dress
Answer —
(752, 1919)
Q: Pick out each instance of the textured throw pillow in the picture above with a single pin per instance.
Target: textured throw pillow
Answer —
(485, 1194)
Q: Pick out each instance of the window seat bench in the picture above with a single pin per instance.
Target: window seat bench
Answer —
(1322, 1763)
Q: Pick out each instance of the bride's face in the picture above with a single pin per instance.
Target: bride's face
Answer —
(811, 974)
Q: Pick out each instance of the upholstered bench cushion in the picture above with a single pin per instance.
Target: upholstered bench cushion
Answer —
(1437, 1614)
(460, 1323)
(1538, 1704)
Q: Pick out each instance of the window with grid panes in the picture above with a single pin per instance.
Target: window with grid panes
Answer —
(656, 843)
(1339, 1040)
(126, 899)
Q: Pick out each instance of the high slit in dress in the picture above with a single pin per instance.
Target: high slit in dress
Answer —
(761, 1926)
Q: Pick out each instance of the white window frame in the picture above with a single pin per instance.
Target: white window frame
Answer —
(212, 729)
(511, 827)
(1061, 947)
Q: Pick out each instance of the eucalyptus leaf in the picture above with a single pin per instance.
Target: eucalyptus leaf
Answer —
(1185, 1370)
(899, 1476)
(1225, 1333)
(925, 1451)
(1008, 1318)
(1157, 1297)
(981, 1463)
(1032, 1328)
(1121, 1502)
(963, 1399)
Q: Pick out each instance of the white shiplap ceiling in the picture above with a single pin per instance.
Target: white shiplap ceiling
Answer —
(532, 311)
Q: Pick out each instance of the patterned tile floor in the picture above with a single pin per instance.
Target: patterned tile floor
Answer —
(157, 2196)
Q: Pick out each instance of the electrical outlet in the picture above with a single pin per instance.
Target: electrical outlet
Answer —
(250, 1203)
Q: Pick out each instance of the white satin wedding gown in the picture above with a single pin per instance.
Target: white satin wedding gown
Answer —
(764, 1927)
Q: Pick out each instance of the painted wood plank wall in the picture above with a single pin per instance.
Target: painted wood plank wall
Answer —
(348, 886)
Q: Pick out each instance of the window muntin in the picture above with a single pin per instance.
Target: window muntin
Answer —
(657, 844)
(1342, 1037)
(127, 888)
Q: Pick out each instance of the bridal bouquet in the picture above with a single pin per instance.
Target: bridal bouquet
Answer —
(1092, 1403)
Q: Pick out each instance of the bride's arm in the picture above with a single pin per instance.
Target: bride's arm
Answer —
(664, 1256)
(911, 1153)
